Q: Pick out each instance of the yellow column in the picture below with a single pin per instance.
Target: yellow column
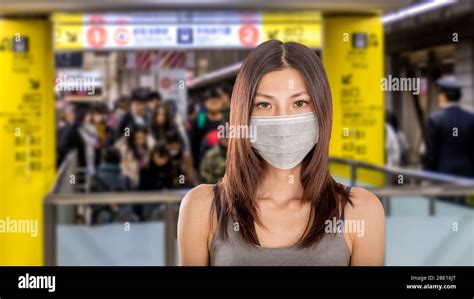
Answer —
(353, 57)
(27, 137)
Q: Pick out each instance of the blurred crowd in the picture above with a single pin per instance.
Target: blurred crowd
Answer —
(144, 144)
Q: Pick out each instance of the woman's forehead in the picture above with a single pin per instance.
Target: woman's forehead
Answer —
(286, 80)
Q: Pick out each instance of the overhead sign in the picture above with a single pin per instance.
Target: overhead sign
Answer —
(302, 27)
(169, 30)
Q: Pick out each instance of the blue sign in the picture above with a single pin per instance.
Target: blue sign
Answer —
(185, 35)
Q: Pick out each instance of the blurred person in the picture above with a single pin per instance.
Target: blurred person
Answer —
(402, 140)
(178, 122)
(153, 101)
(162, 122)
(134, 151)
(184, 174)
(137, 114)
(224, 91)
(210, 140)
(66, 120)
(277, 203)
(109, 178)
(213, 163)
(109, 175)
(156, 175)
(392, 145)
(206, 122)
(121, 107)
(450, 133)
(192, 113)
(99, 120)
(83, 137)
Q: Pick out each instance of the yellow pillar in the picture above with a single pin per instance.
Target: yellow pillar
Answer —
(27, 137)
(353, 58)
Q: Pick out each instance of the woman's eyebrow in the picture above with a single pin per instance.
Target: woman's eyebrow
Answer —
(258, 94)
(299, 94)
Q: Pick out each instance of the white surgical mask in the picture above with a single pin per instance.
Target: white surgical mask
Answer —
(285, 140)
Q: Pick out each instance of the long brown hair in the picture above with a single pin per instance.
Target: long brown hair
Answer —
(236, 191)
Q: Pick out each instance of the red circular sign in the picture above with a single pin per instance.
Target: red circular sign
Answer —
(96, 37)
(122, 36)
(165, 83)
(248, 35)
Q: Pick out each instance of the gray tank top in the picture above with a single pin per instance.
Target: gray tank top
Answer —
(331, 250)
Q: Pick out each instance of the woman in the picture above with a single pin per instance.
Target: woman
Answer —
(134, 151)
(162, 122)
(277, 203)
(82, 136)
(183, 173)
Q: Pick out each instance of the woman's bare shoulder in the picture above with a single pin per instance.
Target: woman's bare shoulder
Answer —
(365, 204)
(198, 201)
(194, 225)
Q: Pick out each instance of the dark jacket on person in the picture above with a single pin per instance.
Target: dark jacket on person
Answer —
(199, 129)
(128, 121)
(212, 167)
(450, 142)
(109, 178)
(71, 139)
(154, 177)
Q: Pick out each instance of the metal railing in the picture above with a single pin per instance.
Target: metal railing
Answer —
(451, 185)
(61, 196)
(406, 172)
(170, 199)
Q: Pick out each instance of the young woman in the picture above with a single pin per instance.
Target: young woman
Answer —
(134, 151)
(277, 203)
(162, 122)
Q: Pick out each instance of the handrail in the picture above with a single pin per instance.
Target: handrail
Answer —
(176, 196)
(62, 169)
(172, 196)
(419, 174)
(426, 191)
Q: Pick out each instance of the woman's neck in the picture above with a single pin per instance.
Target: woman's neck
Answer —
(281, 186)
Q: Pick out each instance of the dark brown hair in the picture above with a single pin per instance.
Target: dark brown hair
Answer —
(244, 167)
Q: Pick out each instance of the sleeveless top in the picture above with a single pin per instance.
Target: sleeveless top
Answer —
(330, 250)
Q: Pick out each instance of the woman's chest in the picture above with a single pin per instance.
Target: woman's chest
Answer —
(281, 227)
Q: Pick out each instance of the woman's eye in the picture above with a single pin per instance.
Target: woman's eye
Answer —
(263, 105)
(300, 104)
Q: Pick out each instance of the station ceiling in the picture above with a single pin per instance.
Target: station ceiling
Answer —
(35, 7)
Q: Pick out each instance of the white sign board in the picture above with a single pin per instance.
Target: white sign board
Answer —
(172, 86)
